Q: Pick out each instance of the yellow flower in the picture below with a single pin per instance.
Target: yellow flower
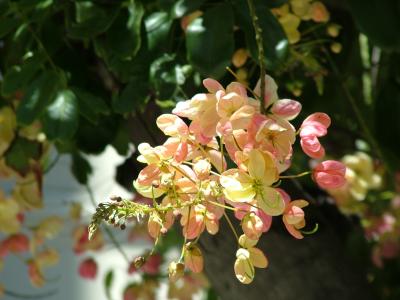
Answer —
(9, 210)
(240, 186)
(8, 124)
(247, 258)
(290, 24)
(301, 8)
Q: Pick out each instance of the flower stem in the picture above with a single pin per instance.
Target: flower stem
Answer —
(295, 176)
(231, 226)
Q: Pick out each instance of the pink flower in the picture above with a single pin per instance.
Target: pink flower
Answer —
(314, 126)
(330, 174)
(152, 265)
(286, 109)
(88, 268)
(16, 243)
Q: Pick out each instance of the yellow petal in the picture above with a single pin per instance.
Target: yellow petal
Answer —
(258, 258)
(271, 202)
(243, 267)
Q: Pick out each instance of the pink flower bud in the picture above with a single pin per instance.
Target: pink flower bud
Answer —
(330, 174)
(286, 108)
(193, 258)
(152, 265)
(314, 126)
(175, 271)
(88, 269)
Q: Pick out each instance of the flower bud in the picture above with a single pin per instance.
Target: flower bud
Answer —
(336, 48)
(139, 262)
(154, 225)
(240, 57)
(333, 30)
(175, 271)
(193, 258)
(319, 13)
(246, 242)
(252, 226)
(202, 168)
(244, 269)
(330, 174)
(88, 269)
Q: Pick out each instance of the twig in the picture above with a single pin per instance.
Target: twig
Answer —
(106, 229)
(27, 296)
(261, 61)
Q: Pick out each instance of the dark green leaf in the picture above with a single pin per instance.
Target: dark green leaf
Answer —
(38, 94)
(91, 19)
(20, 153)
(90, 106)
(123, 37)
(133, 95)
(80, 168)
(158, 26)
(166, 75)
(183, 7)
(209, 41)
(7, 25)
(122, 140)
(92, 138)
(17, 77)
(108, 281)
(383, 28)
(61, 118)
(274, 38)
(387, 113)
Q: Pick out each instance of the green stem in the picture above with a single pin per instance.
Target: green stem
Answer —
(261, 61)
(231, 226)
(295, 176)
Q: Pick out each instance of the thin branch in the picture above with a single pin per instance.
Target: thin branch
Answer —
(359, 116)
(261, 61)
(28, 296)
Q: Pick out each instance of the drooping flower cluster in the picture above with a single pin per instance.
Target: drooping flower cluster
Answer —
(365, 195)
(188, 178)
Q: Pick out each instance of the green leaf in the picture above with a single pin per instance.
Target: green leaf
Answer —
(166, 75)
(108, 281)
(183, 7)
(383, 28)
(7, 25)
(92, 138)
(274, 38)
(123, 37)
(90, 106)
(37, 95)
(61, 118)
(158, 26)
(131, 97)
(209, 41)
(91, 19)
(80, 168)
(20, 153)
(17, 77)
(122, 140)
(387, 111)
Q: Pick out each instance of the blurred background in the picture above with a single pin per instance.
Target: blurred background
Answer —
(82, 83)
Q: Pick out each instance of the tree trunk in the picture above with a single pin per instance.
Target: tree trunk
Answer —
(316, 267)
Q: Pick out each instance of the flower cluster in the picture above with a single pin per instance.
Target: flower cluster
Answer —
(363, 195)
(188, 178)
